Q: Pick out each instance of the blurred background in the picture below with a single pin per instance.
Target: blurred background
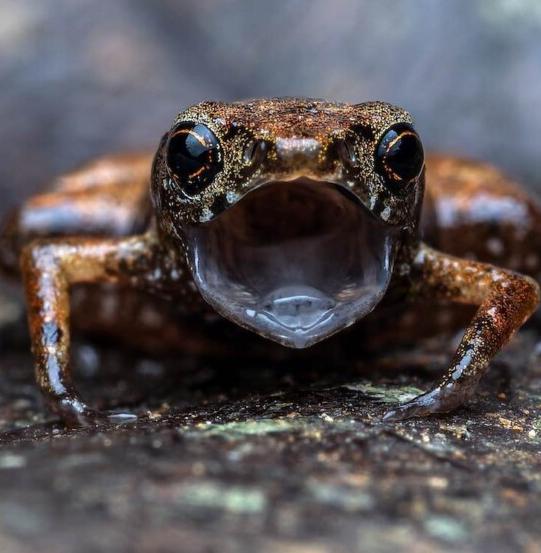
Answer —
(84, 77)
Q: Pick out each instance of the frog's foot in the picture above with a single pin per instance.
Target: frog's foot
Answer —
(505, 301)
(75, 413)
(437, 400)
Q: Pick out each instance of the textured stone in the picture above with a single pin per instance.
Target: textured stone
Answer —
(273, 457)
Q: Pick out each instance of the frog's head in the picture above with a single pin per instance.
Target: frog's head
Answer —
(290, 211)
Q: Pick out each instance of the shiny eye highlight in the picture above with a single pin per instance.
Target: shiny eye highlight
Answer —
(193, 156)
(399, 155)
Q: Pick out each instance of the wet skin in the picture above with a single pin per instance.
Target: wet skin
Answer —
(230, 182)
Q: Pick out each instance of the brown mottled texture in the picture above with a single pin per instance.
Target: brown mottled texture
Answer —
(476, 211)
(106, 197)
(311, 138)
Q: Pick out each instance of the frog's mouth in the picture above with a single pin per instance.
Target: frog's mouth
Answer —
(294, 261)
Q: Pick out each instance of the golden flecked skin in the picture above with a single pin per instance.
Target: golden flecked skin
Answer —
(97, 226)
(302, 137)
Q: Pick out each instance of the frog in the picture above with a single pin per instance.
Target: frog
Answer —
(294, 219)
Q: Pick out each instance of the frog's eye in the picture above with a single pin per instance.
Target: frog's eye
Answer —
(399, 155)
(193, 156)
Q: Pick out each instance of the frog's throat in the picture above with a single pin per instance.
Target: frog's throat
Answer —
(294, 261)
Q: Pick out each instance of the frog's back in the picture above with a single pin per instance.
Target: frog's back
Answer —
(473, 210)
(105, 197)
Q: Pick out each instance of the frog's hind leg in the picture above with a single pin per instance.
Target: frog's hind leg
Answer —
(475, 211)
(106, 197)
(505, 301)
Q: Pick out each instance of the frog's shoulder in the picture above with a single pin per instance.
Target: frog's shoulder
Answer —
(105, 197)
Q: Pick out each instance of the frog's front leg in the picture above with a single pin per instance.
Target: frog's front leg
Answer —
(505, 299)
(49, 269)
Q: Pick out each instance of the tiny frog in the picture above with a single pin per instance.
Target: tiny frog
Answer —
(292, 218)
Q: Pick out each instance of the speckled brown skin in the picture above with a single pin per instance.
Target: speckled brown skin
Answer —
(97, 227)
(303, 137)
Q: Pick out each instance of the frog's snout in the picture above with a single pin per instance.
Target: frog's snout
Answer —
(298, 151)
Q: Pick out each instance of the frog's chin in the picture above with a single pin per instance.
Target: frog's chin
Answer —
(294, 261)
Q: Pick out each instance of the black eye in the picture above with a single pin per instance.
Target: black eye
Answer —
(399, 155)
(194, 156)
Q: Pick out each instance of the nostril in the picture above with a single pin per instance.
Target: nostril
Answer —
(346, 150)
(254, 153)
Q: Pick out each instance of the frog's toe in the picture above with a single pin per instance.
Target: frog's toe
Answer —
(75, 413)
(121, 417)
(404, 411)
(91, 417)
(429, 403)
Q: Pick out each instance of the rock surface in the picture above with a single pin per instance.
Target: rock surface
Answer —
(281, 458)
